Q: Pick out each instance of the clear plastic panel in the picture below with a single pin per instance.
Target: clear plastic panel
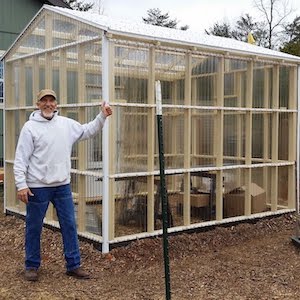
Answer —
(89, 152)
(203, 196)
(174, 197)
(202, 139)
(204, 72)
(234, 193)
(284, 84)
(130, 206)
(283, 187)
(131, 73)
(131, 153)
(261, 136)
(52, 30)
(170, 70)
(260, 190)
(283, 136)
(88, 190)
(173, 137)
(234, 82)
(29, 95)
(262, 85)
(234, 138)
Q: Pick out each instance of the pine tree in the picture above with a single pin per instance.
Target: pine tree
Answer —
(222, 29)
(156, 17)
(241, 29)
(79, 5)
(292, 31)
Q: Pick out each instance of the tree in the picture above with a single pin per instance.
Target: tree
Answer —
(98, 7)
(275, 13)
(292, 31)
(241, 29)
(245, 25)
(223, 29)
(267, 32)
(291, 48)
(156, 17)
(79, 5)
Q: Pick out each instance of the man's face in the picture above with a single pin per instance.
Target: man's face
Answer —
(47, 105)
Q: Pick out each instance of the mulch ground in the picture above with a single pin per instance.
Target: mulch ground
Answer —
(244, 261)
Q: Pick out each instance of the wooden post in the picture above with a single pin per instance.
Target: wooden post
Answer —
(48, 30)
(10, 137)
(82, 153)
(173, 138)
(35, 78)
(10, 145)
(50, 215)
(218, 138)
(266, 132)
(248, 136)
(112, 138)
(194, 125)
(274, 150)
(187, 140)
(292, 121)
(239, 125)
(22, 112)
(151, 141)
(62, 80)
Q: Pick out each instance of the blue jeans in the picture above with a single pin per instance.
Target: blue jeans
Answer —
(61, 197)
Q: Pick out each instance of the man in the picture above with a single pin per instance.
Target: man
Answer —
(42, 174)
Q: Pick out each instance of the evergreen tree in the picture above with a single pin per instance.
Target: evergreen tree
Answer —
(266, 32)
(79, 5)
(223, 29)
(241, 29)
(291, 48)
(246, 24)
(292, 31)
(156, 17)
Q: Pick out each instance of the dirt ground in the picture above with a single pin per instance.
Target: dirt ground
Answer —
(245, 261)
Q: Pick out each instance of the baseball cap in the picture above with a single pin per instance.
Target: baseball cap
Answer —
(45, 92)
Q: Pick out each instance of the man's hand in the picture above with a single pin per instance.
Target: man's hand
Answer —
(106, 109)
(22, 195)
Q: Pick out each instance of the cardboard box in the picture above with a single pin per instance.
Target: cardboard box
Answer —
(234, 201)
(197, 200)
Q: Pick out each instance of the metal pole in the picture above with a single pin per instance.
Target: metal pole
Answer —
(163, 192)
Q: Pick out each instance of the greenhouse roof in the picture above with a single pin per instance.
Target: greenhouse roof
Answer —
(158, 33)
(142, 31)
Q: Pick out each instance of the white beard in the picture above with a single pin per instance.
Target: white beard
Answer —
(47, 115)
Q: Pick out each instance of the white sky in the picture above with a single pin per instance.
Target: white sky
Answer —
(198, 14)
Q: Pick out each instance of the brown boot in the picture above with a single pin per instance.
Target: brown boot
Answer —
(78, 273)
(31, 275)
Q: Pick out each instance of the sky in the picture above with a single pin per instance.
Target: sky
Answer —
(197, 14)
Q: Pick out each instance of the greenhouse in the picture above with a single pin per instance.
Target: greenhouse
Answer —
(230, 119)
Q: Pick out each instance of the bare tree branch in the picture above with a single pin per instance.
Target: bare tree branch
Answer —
(275, 13)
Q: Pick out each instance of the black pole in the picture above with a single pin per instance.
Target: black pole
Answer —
(163, 191)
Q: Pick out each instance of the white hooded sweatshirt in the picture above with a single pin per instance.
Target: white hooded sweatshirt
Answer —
(43, 154)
